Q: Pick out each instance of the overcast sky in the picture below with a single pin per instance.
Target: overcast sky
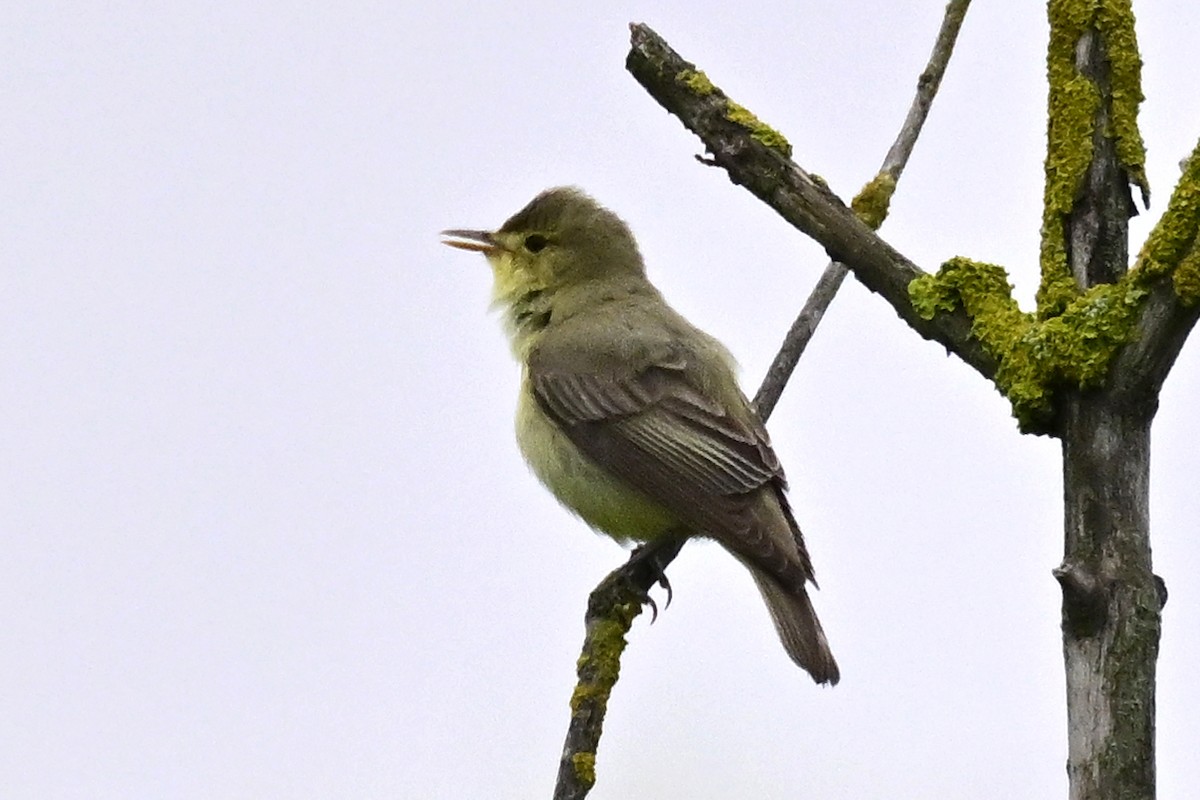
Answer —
(265, 531)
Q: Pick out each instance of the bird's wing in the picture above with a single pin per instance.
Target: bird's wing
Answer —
(655, 429)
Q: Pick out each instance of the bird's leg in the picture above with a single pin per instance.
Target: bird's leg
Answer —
(645, 568)
(655, 556)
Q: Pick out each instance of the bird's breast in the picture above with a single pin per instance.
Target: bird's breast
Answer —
(604, 501)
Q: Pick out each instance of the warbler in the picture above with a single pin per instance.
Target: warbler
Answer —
(630, 415)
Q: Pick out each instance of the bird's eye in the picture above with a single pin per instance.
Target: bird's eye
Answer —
(535, 242)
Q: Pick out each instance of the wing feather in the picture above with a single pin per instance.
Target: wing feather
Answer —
(656, 430)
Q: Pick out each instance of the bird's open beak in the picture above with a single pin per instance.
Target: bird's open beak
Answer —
(480, 241)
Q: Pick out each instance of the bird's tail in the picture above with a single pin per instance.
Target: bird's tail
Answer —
(798, 628)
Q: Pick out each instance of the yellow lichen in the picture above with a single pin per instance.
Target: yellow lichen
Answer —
(585, 768)
(600, 667)
(1073, 338)
(1073, 105)
(1114, 19)
(1187, 277)
(697, 81)
(1173, 246)
(872, 202)
(1034, 356)
(759, 131)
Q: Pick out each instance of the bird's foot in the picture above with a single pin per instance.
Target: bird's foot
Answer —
(650, 560)
(645, 569)
(634, 579)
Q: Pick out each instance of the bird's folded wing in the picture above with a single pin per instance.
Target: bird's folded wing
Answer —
(657, 432)
(691, 435)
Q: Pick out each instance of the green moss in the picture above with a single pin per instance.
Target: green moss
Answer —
(1173, 247)
(1187, 277)
(1034, 356)
(1058, 287)
(699, 84)
(1174, 235)
(600, 666)
(759, 131)
(958, 280)
(872, 202)
(697, 81)
(1072, 339)
(1114, 20)
(585, 768)
(984, 293)
(1081, 343)
(1073, 104)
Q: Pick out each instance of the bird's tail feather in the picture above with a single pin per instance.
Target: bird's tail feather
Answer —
(798, 628)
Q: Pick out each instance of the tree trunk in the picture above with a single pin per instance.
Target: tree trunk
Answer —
(1111, 602)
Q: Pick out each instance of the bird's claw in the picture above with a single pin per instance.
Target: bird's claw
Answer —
(647, 600)
(647, 555)
(666, 585)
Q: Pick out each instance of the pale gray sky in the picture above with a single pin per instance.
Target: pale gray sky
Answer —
(265, 532)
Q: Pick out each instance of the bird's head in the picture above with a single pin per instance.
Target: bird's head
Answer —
(561, 239)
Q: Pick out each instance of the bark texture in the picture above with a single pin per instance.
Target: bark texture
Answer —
(1111, 603)
(1111, 608)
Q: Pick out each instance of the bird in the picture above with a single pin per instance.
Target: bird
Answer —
(631, 416)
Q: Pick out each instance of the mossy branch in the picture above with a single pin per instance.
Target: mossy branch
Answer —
(761, 163)
(612, 608)
(1036, 357)
(1095, 324)
(1094, 73)
(1167, 270)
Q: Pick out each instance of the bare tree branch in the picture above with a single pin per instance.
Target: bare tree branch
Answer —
(798, 337)
(618, 600)
(928, 84)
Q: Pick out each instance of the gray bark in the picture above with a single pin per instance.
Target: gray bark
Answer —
(1111, 603)
(1111, 606)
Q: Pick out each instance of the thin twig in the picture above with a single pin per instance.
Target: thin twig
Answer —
(797, 338)
(894, 162)
(617, 601)
(927, 87)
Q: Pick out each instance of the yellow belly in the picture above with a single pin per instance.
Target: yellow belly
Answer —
(604, 502)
